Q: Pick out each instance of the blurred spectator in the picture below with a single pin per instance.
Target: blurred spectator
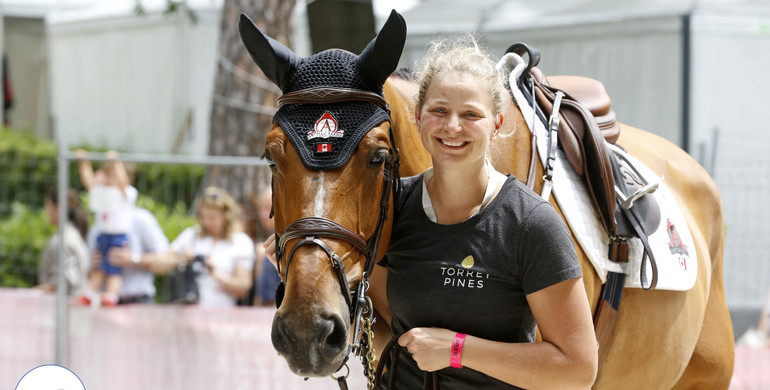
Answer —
(226, 253)
(248, 216)
(266, 275)
(112, 200)
(75, 251)
(144, 255)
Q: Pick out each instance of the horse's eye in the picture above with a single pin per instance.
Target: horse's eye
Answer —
(270, 162)
(379, 157)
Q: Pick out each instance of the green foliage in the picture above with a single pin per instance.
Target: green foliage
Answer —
(22, 240)
(28, 171)
(169, 184)
(171, 219)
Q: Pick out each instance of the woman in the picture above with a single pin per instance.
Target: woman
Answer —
(76, 256)
(486, 257)
(224, 254)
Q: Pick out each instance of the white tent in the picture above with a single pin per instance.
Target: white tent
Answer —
(106, 75)
(691, 71)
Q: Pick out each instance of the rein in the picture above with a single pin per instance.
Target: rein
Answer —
(312, 231)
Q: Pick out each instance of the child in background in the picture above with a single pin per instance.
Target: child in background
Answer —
(112, 199)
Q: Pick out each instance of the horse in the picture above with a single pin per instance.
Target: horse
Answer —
(336, 220)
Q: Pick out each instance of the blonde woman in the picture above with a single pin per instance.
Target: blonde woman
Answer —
(476, 259)
(224, 254)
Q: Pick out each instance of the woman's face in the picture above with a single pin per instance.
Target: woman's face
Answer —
(212, 220)
(457, 121)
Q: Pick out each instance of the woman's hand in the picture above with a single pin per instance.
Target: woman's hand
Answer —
(269, 245)
(430, 347)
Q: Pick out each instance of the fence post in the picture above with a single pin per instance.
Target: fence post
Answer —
(62, 334)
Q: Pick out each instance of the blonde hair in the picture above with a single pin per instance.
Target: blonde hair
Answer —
(461, 53)
(218, 198)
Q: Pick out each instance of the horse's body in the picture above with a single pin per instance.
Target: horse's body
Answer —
(662, 339)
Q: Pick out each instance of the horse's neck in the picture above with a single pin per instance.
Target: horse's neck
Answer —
(400, 96)
(511, 151)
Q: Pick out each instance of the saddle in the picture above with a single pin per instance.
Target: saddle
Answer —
(587, 122)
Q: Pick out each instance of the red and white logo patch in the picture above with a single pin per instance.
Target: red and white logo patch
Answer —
(326, 126)
(322, 148)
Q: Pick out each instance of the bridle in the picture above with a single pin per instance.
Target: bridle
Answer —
(312, 230)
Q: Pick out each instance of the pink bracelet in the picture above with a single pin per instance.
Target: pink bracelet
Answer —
(456, 353)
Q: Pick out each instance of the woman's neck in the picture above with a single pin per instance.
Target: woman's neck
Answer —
(457, 194)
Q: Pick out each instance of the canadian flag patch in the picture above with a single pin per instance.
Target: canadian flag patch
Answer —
(326, 126)
(322, 148)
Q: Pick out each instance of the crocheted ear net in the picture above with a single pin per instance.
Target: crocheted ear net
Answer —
(325, 135)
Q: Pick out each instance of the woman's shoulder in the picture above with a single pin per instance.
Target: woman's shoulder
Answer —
(241, 238)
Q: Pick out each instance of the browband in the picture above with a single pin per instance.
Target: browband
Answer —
(326, 95)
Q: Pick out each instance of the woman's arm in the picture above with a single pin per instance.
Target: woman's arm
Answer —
(566, 358)
(85, 170)
(237, 284)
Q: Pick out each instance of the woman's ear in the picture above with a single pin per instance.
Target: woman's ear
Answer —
(498, 126)
(417, 114)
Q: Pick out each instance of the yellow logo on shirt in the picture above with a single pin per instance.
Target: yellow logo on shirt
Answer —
(463, 276)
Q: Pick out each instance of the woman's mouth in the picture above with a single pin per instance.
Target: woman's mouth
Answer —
(452, 144)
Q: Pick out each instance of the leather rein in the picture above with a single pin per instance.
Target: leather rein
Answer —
(313, 230)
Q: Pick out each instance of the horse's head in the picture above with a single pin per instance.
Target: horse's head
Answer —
(334, 163)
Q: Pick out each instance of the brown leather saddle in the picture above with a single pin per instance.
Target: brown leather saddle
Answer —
(587, 121)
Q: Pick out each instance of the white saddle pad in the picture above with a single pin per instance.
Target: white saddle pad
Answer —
(671, 244)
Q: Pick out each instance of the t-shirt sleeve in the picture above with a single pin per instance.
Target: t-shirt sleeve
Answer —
(547, 253)
(243, 252)
(183, 240)
(152, 236)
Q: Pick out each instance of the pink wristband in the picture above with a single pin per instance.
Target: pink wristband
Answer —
(456, 353)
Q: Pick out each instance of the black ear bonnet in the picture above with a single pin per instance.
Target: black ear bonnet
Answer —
(325, 135)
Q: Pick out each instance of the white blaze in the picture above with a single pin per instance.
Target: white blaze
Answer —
(319, 196)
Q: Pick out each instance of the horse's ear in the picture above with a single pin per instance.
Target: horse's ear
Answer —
(380, 57)
(276, 60)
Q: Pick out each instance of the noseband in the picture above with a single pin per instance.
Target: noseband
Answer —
(312, 230)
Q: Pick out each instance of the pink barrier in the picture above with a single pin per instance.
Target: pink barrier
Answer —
(172, 347)
(165, 347)
(752, 368)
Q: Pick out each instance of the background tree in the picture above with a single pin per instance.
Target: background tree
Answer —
(244, 99)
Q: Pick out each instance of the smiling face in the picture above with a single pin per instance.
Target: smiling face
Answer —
(457, 121)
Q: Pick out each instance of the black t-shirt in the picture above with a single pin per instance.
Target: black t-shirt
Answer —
(473, 277)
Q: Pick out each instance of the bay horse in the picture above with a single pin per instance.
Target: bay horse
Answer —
(335, 220)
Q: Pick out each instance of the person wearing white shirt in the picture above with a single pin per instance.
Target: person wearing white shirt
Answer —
(224, 275)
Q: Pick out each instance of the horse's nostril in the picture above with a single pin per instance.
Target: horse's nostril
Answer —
(280, 334)
(334, 337)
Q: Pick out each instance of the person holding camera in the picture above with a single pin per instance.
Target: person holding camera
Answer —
(222, 256)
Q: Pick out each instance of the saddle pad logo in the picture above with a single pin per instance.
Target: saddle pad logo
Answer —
(326, 127)
(323, 148)
(675, 244)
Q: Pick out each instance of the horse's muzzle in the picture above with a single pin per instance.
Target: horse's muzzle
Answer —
(311, 351)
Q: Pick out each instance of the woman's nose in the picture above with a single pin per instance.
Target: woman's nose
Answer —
(453, 123)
